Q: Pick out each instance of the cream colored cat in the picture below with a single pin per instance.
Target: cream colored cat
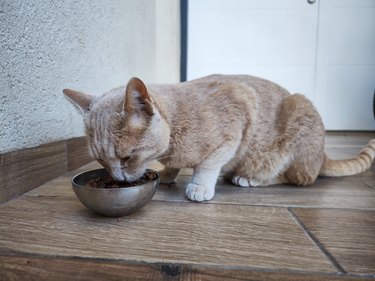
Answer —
(251, 129)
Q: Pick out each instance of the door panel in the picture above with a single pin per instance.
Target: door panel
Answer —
(345, 81)
(325, 50)
(270, 39)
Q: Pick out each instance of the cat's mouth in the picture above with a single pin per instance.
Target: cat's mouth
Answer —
(118, 176)
(123, 175)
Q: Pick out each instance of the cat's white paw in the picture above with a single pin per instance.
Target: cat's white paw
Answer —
(255, 183)
(240, 181)
(199, 193)
(244, 182)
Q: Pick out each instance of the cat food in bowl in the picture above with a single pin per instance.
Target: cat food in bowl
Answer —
(97, 190)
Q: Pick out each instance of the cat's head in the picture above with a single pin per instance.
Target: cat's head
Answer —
(125, 129)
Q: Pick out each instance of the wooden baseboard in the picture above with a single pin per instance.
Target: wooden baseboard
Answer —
(77, 153)
(25, 169)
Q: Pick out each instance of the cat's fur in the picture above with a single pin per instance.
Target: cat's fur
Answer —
(249, 128)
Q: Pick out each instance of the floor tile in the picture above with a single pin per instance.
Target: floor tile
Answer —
(191, 233)
(348, 235)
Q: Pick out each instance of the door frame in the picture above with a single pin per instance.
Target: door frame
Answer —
(184, 5)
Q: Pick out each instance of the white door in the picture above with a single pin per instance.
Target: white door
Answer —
(287, 42)
(345, 73)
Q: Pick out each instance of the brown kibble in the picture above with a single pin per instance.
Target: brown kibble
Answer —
(108, 182)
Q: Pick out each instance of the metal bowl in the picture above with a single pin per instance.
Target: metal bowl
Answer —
(112, 202)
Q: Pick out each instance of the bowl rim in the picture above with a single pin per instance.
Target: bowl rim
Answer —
(74, 184)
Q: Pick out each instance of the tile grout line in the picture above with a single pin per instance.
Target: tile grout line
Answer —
(258, 205)
(317, 242)
(368, 185)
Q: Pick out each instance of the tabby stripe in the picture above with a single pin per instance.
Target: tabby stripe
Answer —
(363, 162)
(368, 156)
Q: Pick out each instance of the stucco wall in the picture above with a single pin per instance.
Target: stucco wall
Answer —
(91, 46)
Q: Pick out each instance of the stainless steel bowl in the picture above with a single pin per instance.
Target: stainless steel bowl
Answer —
(112, 202)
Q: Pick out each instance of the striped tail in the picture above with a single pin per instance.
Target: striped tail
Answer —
(352, 166)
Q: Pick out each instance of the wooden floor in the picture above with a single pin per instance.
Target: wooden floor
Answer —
(322, 232)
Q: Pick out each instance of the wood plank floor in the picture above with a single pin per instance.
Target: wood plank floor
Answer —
(322, 232)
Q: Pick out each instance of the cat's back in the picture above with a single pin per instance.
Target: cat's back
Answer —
(259, 85)
(208, 89)
(190, 95)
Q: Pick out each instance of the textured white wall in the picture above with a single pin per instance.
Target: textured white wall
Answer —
(91, 46)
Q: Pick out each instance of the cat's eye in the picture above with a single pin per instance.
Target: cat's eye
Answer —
(125, 159)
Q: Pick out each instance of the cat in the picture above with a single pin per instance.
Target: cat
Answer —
(252, 130)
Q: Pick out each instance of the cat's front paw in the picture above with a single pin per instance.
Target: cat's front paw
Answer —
(168, 175)
(199, 193)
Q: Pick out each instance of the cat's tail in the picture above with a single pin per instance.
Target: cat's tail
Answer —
(352, 166)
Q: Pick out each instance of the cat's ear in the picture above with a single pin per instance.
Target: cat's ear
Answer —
(137, 98)
(81, 100)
